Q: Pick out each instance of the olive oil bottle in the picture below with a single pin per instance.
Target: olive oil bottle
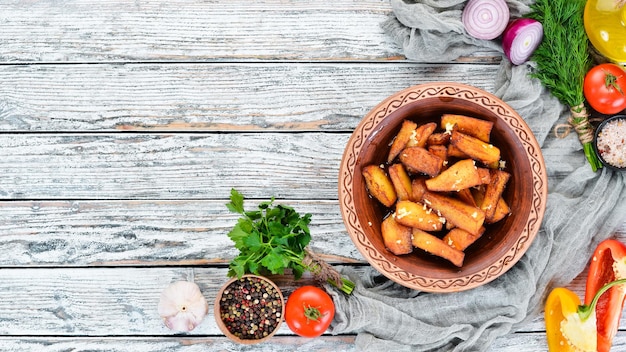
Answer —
(605, 24)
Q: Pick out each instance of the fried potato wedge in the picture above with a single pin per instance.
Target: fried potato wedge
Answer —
(475, 148)
(467, 197)
(401, 181)
(461, 215)
(474, 127)
(461, 239)
(441, 151)
(478, 193)
(439, 138)
(485, 174)
(379, 185)
(454, 152)
(461, 175)
(502, 210)
(402, 138)
(421, 135)
(434, 245)
(418, 215)
(418, 186)
(418, 159)
(493, 193)
(396, 237)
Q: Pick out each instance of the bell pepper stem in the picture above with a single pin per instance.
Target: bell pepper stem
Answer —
(585, 310)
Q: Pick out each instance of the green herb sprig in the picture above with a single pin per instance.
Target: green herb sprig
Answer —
(563, 59)
(273, 238)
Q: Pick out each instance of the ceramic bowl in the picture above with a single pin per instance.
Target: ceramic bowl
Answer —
(263, 324)
(502, 244)
(618, 123)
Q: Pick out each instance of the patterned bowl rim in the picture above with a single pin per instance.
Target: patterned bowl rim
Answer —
(442, 90)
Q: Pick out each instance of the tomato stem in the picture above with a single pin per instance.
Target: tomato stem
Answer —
(312, 313)
(610, 81)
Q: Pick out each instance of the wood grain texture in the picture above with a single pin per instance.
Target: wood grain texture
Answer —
(210, 97)
(170, 166)
(175, 344)
(123, 126)
(96, 31)
(524, 342)
(145, 233)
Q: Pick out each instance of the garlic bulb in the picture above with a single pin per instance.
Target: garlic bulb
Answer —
(182, 306)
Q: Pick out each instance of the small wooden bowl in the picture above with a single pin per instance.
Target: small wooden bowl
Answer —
(599, 129)
(217, 312)
(502, 244)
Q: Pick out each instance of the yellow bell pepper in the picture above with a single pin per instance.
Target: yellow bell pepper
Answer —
(561, 306)
(570, 325)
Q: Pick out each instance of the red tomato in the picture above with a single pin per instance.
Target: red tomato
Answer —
(605, 88)
(309, 311)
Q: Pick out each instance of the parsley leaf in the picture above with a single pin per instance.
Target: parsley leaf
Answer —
(236, 202)
(237, 267)
(274, 261)
(238, 235)
(270, 239)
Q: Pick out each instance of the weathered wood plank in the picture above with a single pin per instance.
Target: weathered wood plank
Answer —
(100, 302)
(175, 344)
(175, 166)
(209, 97)
(523, 342)
(536, 342)
(91, 30)
(144, 233)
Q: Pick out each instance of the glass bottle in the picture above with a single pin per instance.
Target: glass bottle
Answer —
(605, 24)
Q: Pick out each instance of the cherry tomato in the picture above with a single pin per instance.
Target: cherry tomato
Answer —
(605, 88)
(309, 311)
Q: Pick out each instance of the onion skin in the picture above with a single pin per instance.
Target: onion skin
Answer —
(520, 39)
(485, 19)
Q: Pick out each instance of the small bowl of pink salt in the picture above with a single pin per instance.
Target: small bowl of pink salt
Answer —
(610, 142)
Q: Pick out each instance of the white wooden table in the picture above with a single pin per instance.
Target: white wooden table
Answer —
(123, 127)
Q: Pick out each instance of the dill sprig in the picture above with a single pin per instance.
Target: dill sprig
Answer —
(563, 56)
(563, 59)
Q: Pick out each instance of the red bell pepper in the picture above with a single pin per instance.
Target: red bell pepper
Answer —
(608, 264)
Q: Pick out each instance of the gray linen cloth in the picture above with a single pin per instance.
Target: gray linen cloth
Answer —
(582, 209)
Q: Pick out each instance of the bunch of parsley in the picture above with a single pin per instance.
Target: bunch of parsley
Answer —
(271, 239)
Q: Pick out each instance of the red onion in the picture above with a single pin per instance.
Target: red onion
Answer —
(485, 19)
(520, 39)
